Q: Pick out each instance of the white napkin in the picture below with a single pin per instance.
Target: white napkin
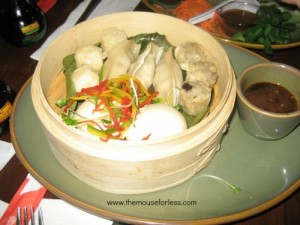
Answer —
(58, 212)
(3, 206)
(6, 153)
(105, 7)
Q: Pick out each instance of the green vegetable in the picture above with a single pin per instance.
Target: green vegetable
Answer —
(100, 133)
(193, 120)
(68, 120)
(233, 187)
(61, 102)
(272, 26)
(69, 64)
(156, 38)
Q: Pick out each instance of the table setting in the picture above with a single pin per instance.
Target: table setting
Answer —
(249, 180)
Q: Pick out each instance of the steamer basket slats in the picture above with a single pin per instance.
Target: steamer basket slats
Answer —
(125, 167)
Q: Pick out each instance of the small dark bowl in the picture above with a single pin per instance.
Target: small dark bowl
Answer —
(237, 16)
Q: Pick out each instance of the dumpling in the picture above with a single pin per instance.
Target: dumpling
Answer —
(144, 67)
(119, 59)
(194, 97)
(195, 94)
(111, 37)
(85, 111)
(84, 77)
(188, 54)
(205, 72)
(168, 79)
(167, 122)
(90, 56)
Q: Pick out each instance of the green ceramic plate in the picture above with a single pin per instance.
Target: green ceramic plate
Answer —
(266, 173)
(155, 6)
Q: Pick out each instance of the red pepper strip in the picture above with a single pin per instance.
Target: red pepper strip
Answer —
(99, 104)
(106, 135)
(89, 91)
(125, 87)
(148, 100)
(113, 116)
(92, 122)
(105, 139)
(110, 136)
(116, 136)
(103, 86)
(69, 105)
(126, 110)
(147, 137)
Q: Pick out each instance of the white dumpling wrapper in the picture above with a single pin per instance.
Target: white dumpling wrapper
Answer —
(144, 67)
(111, 37)
(119, 59)
(84, 77)
(187, 54)
(156, 121)
(85, 111)
(91, 56)
(203, 72)
(168, 79)
(195, 99)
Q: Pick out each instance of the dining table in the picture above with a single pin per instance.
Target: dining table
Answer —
(16, 67)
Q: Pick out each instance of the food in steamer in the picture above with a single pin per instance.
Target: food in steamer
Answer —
(136, 88)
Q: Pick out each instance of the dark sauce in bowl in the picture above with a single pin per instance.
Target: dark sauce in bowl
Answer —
(235, 20)
(271, 97)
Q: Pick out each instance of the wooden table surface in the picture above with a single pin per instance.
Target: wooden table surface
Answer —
(16, 67)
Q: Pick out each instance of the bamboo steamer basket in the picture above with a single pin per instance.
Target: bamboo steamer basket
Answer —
(127, 167)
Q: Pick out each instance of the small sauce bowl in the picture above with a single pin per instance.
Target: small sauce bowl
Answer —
(237, 16)
(274, 118)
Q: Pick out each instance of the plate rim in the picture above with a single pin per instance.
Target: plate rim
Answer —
(134, 219)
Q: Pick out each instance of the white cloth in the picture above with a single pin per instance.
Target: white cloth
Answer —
(6, 153)
(3, 206)
(103, 8)
(57, 211)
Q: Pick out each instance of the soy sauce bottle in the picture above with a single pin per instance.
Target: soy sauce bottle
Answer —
(7, 97)
(22, 23)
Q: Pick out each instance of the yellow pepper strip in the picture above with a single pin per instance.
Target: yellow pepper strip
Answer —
(79, 98)
(121, 98)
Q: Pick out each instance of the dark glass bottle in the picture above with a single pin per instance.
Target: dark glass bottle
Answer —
(22, 23)
(7, 97)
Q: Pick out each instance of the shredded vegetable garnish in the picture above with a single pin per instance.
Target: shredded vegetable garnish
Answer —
(117, 99)
(190, 8)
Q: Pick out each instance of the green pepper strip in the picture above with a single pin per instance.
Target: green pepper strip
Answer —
(116, 96)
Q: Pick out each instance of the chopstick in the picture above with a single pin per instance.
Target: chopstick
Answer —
(91, 6)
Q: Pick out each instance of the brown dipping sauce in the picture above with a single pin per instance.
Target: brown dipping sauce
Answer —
(237, 20)
(271, 97)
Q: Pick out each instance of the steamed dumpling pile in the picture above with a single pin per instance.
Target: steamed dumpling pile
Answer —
(195, 94)
(89, 60)
(157, 65)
